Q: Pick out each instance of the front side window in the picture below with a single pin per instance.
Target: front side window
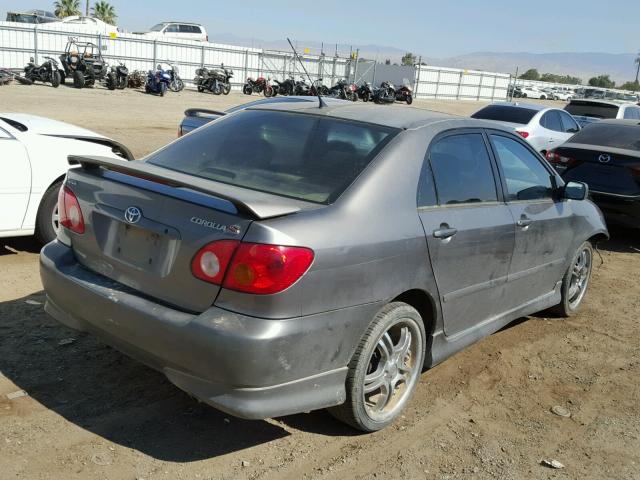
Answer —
(462, 170)
(307, 157)
(173, 28)
(525, 175)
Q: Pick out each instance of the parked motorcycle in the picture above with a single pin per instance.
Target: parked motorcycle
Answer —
(158, 81)
(301, 88)
(6, 77)
(286, 87)
(365, 92)
(385, 94)
(216, 81)
(345, 90)
(176, 84)
(137, 79)
(404, 94)
(259, 85)
(48, 72)
(318, 88)
(118, 77)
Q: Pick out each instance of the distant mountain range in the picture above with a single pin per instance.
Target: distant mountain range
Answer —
(620, 66)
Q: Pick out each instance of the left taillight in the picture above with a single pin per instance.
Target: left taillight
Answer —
(69, 212)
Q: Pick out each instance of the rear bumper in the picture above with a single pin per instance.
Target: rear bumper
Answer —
(618, 209)
(249, 367)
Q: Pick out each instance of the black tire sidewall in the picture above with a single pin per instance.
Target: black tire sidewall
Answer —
(44, 230)
(565, 307)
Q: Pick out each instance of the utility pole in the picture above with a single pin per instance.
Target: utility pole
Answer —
(637, 69)
(86, 10)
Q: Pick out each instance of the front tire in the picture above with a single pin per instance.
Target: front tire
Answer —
(575, 281)
(409, 99)
(55, 79)
(78, 79)
(47, 218)
(384, 370)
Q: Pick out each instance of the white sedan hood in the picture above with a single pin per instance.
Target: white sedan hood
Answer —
(47, 126)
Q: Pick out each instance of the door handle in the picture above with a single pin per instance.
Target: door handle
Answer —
(524, 222)
(444, 233)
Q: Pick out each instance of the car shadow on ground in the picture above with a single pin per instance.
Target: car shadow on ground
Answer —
(105, 392)
(14, 245)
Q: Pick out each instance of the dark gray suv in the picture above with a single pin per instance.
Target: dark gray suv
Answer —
(286, 258)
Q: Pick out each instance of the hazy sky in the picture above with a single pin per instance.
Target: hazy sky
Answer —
(433, 28)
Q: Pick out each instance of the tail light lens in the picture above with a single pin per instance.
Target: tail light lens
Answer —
(251, 267)
(211, 261)
(522, 133)
(556, 159)
(69, 213)
(266, 269)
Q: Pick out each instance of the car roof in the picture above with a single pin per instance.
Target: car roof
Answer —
(620, 121)
(617, 103)
(402, 117)
(531, 106)
(180, 22)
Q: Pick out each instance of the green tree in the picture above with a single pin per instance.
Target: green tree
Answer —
(602, 81)
(104, 11)
(633, 86)
(531, 74)
(67, 8)
(566, 79)
(409, 59)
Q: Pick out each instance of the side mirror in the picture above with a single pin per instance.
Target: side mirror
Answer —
(575, 191)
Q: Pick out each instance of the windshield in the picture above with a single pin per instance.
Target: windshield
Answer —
(506, 113)
(158, 27)
(301, 156)
(592, 109)
(626, 137)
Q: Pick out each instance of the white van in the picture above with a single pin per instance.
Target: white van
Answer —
(179, 30)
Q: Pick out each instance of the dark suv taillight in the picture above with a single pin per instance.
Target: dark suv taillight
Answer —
(251, 267)
(69, 212)
(556, 159)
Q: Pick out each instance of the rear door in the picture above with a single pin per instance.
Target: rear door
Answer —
(15, 182)
(554, 130)
(469, 230)
(543, 224)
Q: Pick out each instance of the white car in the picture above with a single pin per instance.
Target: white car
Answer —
(178, 30)
(532, 92)
(91, 25)
(33, 151)
(544, 128)
(562, 95)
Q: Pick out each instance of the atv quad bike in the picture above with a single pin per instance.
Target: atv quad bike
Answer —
(83, 62)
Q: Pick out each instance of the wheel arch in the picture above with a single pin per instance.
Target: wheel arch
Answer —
(424, 303)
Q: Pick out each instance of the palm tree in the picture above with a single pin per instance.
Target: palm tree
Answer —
(67, 8)
(105, 12)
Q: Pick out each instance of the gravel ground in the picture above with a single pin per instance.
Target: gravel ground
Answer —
(92, 413)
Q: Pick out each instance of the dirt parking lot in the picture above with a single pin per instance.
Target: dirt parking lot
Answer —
(92, 413)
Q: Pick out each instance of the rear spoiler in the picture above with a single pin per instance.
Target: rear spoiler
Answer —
(258, 205)
(201, 112)
(116, 147)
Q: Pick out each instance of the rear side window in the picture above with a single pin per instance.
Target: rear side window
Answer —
(592, 109)
(525, 176)
(551, 121)
(569, 125)
(626, 137)
(301, 156)
(506, 113)
(462, 170)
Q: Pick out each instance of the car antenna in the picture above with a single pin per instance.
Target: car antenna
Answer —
(321, 103)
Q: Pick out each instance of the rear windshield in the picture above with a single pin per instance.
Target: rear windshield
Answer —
(618, 136)
(506, 113)
(592, 109)
(306, 157)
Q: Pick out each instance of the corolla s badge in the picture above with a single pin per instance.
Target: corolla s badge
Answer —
(604, 158)
(132, 214)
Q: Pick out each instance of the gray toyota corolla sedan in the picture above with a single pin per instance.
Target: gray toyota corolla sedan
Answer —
(286, 258)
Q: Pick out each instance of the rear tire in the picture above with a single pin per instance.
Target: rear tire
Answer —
(409, 99)
(247, 90)
(388, 360)
(111, 81)
(47, 217)
(575, 281)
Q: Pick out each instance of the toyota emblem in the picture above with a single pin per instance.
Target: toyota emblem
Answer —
(604, 158)
(132, 214)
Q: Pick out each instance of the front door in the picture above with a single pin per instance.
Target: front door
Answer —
(543, 231)
(15, 182)
(469, 230)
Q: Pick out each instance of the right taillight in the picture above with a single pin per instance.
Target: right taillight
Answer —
(251, 267)
(70, 215)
